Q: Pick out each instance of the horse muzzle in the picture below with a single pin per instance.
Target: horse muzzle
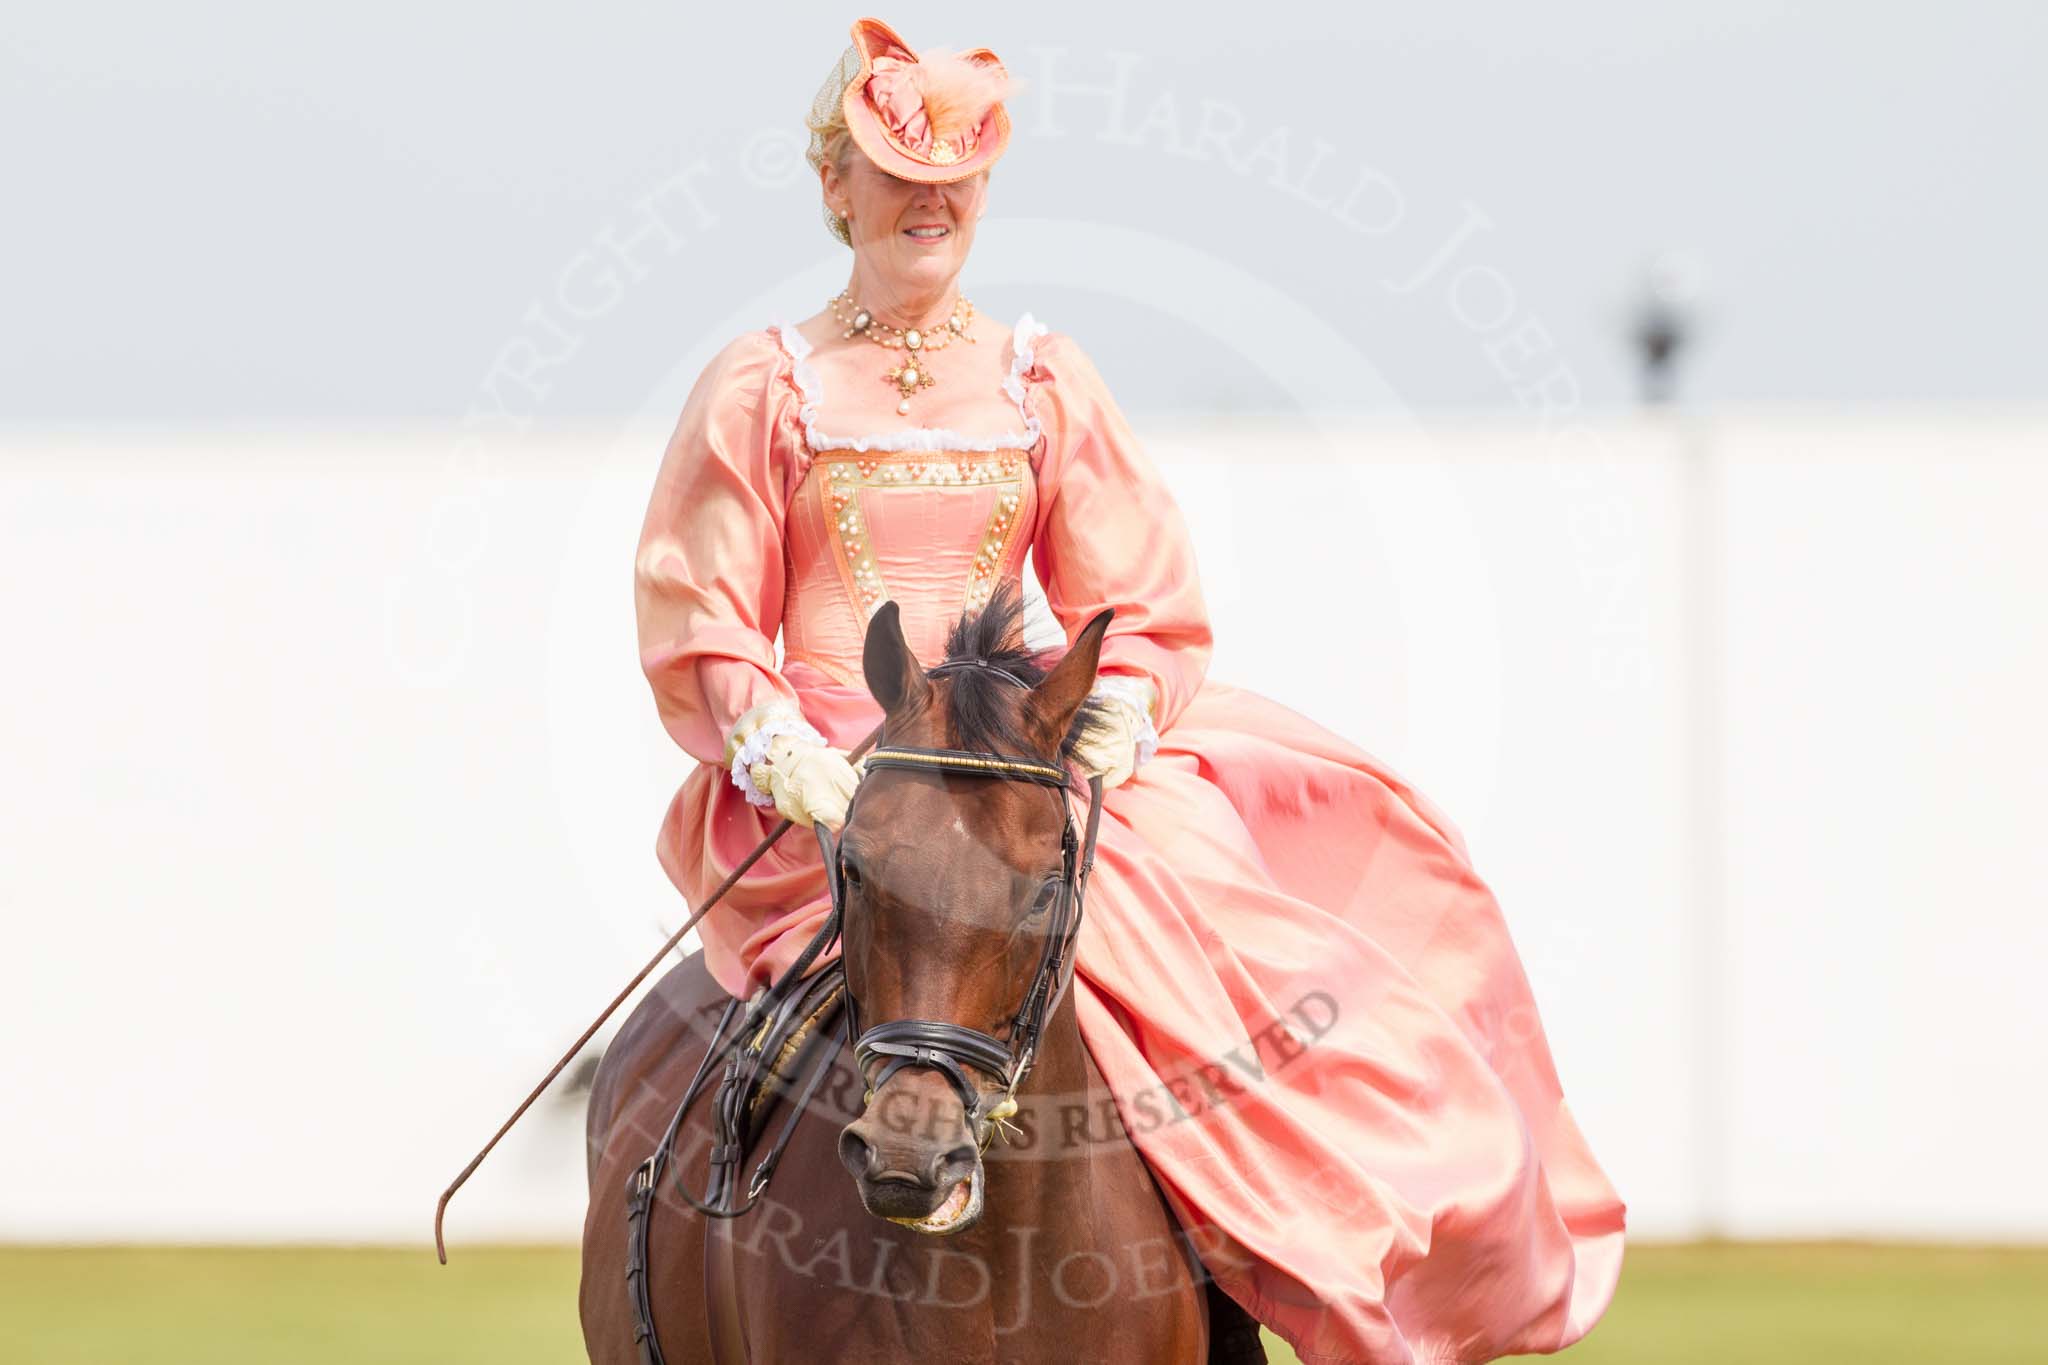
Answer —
(926, 1175)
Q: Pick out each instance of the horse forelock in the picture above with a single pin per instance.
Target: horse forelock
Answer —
(981, 709)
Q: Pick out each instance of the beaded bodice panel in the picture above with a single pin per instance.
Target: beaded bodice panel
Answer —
(933, 527)
(932, 531)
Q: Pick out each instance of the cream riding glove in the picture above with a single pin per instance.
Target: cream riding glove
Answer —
(1117, 748)
(809, 782)
(777, 758)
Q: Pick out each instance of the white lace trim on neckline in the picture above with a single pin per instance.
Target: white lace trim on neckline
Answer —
(812, 391)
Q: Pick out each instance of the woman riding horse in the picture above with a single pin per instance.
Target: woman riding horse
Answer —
(1303, 999)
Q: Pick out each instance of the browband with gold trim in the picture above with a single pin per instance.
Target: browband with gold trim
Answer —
(904, 756)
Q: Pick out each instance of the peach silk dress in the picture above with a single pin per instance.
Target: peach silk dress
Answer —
(1404, 1181)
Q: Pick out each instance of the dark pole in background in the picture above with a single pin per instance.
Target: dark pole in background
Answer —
(1664, 325)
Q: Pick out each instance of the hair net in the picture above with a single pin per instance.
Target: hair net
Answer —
(828, 116)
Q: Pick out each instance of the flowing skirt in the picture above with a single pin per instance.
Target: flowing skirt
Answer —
(1314, 1021)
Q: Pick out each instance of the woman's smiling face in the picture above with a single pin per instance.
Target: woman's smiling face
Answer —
(911, 238)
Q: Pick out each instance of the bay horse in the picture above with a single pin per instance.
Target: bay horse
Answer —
(897, 1230)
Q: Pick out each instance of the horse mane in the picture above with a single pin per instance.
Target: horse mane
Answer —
(981, 707)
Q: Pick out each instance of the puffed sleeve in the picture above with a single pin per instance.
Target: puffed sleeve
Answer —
(1110, 534)
(708, 576)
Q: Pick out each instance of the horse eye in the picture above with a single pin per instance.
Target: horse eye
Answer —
(1048, 896)
(849, 876)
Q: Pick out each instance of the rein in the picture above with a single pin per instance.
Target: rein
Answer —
(939, 1044)
(575, 1048)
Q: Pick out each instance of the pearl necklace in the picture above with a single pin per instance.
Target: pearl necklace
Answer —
(915, 371)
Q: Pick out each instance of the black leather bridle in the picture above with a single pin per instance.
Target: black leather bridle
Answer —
(954, 1050)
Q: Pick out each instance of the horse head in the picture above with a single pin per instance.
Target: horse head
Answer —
(960, 900)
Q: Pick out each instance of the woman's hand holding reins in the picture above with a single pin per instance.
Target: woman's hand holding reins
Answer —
(809, 781)
(1125, 737)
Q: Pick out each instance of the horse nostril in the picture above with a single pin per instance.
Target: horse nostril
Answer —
(855, 1154)
(951, 1167)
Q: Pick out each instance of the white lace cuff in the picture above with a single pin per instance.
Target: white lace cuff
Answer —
(1138, 697)
(747, 744)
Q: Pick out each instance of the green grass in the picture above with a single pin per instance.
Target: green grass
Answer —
(1729, 1305)
(297, 1306)
(1824, 1304)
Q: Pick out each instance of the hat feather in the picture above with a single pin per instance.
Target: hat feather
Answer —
(958, 92)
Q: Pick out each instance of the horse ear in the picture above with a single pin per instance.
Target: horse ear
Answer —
(1049, 711)
(893, 673)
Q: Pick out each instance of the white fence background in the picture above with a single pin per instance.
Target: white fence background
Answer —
(331, 785)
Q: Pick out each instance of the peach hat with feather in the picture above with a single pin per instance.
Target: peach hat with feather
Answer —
(934, 116)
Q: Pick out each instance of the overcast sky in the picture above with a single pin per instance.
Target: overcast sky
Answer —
(223, 211)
